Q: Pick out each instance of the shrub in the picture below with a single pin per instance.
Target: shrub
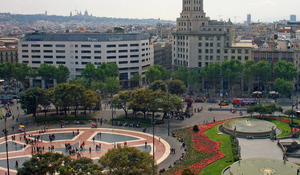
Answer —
(195, 128)
(187, 172)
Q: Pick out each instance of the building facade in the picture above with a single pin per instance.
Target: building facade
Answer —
(163, 54)
(8, 55)
(199, 41)
(131, 52)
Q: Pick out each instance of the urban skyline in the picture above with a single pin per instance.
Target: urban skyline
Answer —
(264, 11)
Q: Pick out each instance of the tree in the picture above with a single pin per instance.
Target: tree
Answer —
(80, 166)
(62, 74)
(248, 74)
(183, 75)
(273, 108)
(158, 85)
(7, 71)
(284, 70)
(106, 70)
(51, 163)
(193, 80)
(42, 164)
(176, 87)
(89, 72)
(112, 85)
(22, 71)
(44, 100)
(283, 87)
(153, 74)
(89, 99)
(81, 81)
(47, 72)
(140, 100)
(129, 161)
(136, 78)
(30, 100)
(212, 72)
(262, 70)
(290, 112)
(171, 102)
(122, 100)
(231, 70)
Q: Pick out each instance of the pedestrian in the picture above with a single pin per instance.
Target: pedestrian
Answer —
(90, 150)
(93, 139)
(145, 144)
(17, 164)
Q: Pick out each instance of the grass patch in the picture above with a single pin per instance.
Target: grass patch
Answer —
(69, 119)
(1, 113)
(285, 127)
(135, 120)
(217, 167)
(192, 155)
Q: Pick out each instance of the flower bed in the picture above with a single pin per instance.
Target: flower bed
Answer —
(278, 118)
(204, 145)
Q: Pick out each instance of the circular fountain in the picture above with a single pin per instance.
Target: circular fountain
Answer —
(261, 166)
(248, 127)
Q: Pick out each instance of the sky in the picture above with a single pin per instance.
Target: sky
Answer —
(236, 10)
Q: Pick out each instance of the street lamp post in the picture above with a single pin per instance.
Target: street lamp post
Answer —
(112, 110)
(168, 114)
(6, 144)
(153, 123)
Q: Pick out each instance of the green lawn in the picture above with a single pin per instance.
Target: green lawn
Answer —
(217, 167)
(285, 127)
(1, 113)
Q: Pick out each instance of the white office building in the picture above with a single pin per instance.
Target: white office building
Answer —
(131, 52)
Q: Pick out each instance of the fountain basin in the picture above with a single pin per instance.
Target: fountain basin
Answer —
(248, 127)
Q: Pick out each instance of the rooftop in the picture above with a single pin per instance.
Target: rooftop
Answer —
(88, 37)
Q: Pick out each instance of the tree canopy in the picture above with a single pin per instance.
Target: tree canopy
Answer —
(285, 70)
(129, 161)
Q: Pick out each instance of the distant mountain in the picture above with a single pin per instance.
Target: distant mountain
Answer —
(29, 19)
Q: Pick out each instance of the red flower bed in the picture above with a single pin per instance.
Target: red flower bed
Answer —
(205, 145)
(272, 118)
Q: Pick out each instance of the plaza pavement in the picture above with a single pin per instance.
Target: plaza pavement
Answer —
(160, 131)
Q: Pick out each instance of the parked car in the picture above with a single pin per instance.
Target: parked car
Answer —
(188, 100)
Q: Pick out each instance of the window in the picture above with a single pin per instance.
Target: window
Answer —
(199, 64)
(134, 45)
(25, 56)
(97, 46)
(111, 45)
(225, 51)
(84, 63)
(48, 51)
(60, 57)
(111, 51)
(35, 51)
(218, 44)
(123, 51)
(25, 62)
(200, 57)
(24, 45)
(134, 50)
(239, 51)
(134, 61)
(36, 62)
(60, 51)
(123, 45)
(134, 56)
(36, 56)
(232, 51)
(48, 62)
(48, 56)
(97, 63)
(123, 56)
(60, 45)
(47, 45)
(86, 57)
(246, 51)
(60, 62)
(97, 57)
(200, 51)
(85, 45)
(97, 51)
(111, 57)
(35, 45)
(24, 51)
(246, 57)
(85, 51)
(123, 62)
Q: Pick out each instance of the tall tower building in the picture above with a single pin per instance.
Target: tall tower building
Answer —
(293, 18)
(248, 18)
(199, 41)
